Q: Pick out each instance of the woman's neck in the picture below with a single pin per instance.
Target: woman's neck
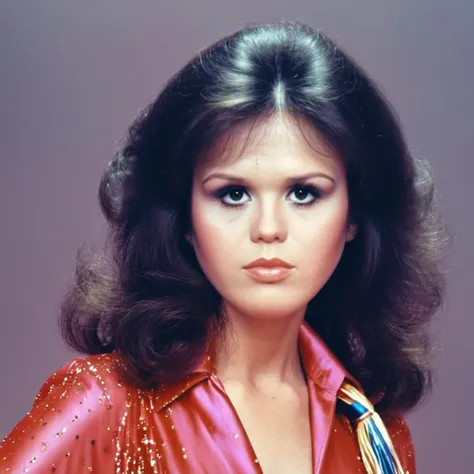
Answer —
(260, 353)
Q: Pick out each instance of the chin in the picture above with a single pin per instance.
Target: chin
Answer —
(269, 307)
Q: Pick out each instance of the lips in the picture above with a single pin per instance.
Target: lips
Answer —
(272, 263)
(268, 271)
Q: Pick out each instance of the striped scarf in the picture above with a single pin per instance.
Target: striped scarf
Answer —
(377, 450)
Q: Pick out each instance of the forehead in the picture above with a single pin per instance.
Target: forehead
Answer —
(277, 141)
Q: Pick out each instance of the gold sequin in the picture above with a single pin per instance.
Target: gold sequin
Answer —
(118, 428)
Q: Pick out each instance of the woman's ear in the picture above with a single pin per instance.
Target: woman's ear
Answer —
(351, 232)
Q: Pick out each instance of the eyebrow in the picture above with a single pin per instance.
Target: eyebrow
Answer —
(292, 180)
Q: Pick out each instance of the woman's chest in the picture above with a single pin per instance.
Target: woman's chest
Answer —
(280, 438)
(204, 432)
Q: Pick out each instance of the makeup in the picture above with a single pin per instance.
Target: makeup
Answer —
(268, 271)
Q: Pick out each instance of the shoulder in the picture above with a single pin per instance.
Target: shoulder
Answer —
(96, 374)
(76, 420)
(401, 438)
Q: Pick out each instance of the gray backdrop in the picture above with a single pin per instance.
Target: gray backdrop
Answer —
(75, 73)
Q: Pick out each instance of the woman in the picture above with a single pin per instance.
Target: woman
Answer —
(274, 266)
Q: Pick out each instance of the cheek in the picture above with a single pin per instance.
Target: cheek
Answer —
(215, 241)
(322, 242)
(212, 231)
(327, 224)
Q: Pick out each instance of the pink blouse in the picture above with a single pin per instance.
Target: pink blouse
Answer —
(85, 419)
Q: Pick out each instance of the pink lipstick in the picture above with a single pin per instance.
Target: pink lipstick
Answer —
(268, 271)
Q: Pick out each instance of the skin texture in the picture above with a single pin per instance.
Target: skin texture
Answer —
(269, 213)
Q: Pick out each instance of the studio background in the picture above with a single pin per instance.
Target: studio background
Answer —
(73, 76)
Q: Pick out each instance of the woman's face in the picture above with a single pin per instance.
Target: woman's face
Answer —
(278, 199)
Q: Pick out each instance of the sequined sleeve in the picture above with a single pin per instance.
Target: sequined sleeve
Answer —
(71, 428)
(401, 438)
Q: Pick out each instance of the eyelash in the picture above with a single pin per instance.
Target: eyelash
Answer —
(309, 188)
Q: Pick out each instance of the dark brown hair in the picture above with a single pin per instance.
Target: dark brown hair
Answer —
(148, 300)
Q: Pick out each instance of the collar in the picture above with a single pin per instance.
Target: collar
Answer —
(319, 363)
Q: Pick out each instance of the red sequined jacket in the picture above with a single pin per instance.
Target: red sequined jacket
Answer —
(85, 420)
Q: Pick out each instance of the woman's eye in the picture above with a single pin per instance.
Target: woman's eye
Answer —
(305, 194)
(234, 196)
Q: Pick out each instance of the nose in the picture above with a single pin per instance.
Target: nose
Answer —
(268, 223)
